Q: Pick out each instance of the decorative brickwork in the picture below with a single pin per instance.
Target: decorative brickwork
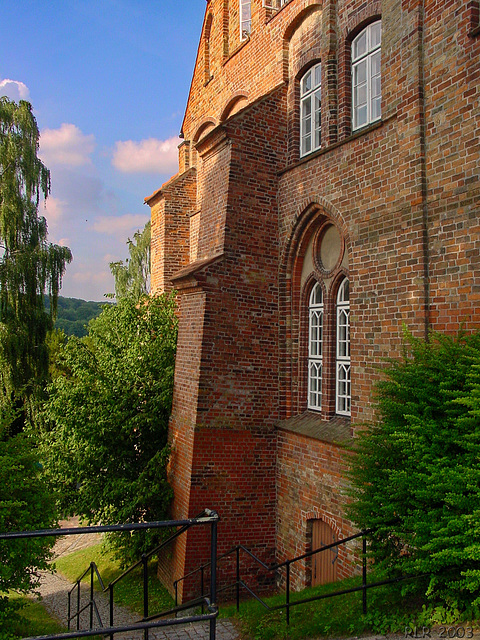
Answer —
(236, 233)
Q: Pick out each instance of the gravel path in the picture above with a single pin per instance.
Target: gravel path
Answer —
(54, 589)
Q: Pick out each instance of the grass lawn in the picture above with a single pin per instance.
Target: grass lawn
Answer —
(34, 618)
(129, 591)
(341, 616)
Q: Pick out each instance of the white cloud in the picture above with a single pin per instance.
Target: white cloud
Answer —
(96, 282)
(66, 145)
(53, 209)
(14, 90)
(89, 276)
(120, 226)
(147, 156)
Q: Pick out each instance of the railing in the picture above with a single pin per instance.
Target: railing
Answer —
(148, 621)
(364, 587)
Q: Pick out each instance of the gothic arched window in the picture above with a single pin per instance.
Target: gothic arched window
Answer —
(343, 395)
(326, 379)
(315, 347)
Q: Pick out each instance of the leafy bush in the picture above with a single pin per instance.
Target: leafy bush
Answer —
(416, 475)
(107, 415)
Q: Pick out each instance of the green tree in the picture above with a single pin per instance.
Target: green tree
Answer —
(133, 277)
(416, 472)
(29, 265)
(25, 504)
(106, 450)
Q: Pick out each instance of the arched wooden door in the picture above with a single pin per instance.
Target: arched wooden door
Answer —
(324, 564)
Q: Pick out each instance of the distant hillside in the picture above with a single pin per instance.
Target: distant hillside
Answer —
(73, 315)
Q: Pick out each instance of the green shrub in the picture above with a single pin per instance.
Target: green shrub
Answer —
(416, 473)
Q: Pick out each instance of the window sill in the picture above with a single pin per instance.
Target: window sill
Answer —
(275, 11)
(310, 424)
(242, 44)
(359, 133)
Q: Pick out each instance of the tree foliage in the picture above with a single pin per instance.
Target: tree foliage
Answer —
(133, 277)
(25, 504)
(29, 265)
(416, 475)
(106, 450)
(73, 315)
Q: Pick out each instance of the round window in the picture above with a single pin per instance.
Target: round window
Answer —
(328, 248)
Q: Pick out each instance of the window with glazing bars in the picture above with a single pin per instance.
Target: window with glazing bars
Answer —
(366, 75)
(310, 110)
(245, 18)
(343, 386)
(315, 347)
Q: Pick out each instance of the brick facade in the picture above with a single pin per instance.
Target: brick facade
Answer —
(238, 233)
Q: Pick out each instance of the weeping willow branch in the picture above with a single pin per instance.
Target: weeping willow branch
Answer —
(30, 266)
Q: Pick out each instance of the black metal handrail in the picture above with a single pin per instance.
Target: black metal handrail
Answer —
(93, 570)
(364, 587)
(207, 517)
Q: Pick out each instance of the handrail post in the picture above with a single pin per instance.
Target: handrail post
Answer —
(175, 586)
(213, 577)
(238, 578)
(364, 574)
(145, 592)
(91, 595)
(69, 609)
(110, 591)
(78, 605)
(287, 600)
(202, 585)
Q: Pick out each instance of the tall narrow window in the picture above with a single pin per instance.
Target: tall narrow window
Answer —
(315, 348)
(366, 75)
(245, 18)
(343, 389)
(310, 110)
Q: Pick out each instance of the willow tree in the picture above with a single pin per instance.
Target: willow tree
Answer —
(133, 276)
(30, 266)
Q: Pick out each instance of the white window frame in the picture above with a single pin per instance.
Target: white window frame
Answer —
(274, 4)
(343, 393)
(315, 347)
(245, 19)
(311, 110)
(366, 62)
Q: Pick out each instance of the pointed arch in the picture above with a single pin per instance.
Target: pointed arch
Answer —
(308, 338)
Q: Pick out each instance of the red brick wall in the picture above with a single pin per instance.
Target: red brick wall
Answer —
(170, 248)
(452, 78)
(182, 424)
(310, 485)
(225, 397)
(403, 194)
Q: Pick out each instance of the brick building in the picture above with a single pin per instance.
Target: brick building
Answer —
(327, 194)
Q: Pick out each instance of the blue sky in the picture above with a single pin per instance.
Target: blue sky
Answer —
(108, 81)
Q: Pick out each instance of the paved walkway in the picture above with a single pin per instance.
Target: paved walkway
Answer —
(54, 589)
